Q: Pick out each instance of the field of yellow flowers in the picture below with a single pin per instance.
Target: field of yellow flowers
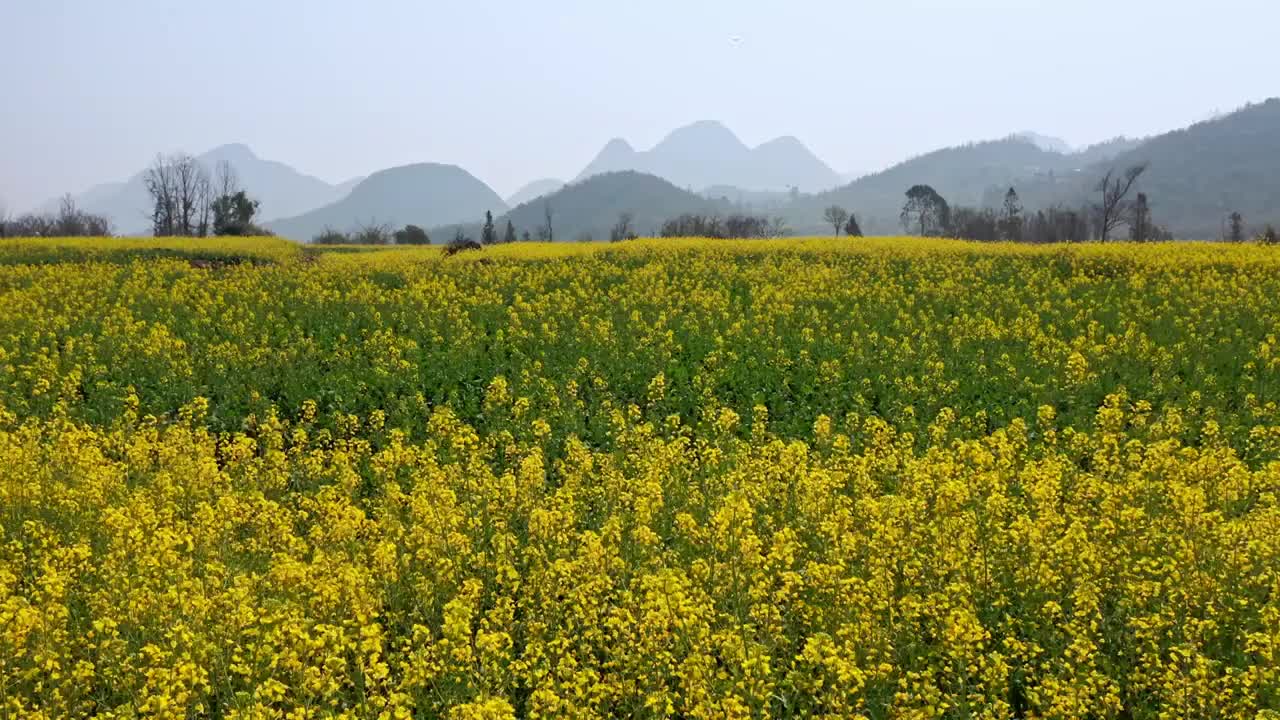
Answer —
(688, 479)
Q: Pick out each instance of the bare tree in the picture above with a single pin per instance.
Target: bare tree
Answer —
(777, 227)
(547, 232)
(836, 217)
(181, 196)
(68, 223)
(1114, 206)
(371, 233)
(226, 181)
(622, 229)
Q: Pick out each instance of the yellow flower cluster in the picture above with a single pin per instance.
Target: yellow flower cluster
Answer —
(868, 479)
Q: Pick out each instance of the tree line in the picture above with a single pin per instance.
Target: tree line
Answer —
(188, 201)
(1118, 204)
(731, 227)
(374, 233)
(68, 221)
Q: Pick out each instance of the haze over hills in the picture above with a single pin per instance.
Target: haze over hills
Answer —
(975, 174)
(281, 190)
(707, 153)
(425, 194)
(534, 190)
(960, 174)
(1195, 177)
(1046, 142)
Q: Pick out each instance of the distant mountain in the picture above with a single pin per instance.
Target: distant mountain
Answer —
(1045, 142)
(1195, 177)
(1104, 151)
(590, 208)
(425, 194)
(346, 186)
(707, 153)
(534, 190)
(281, 190)
(617, 155)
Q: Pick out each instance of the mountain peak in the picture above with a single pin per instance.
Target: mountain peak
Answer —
(533, 191)
(702, 132)
(425, 194)
(706, 153)
(617, 145)
(232, 152)
(1045, 142)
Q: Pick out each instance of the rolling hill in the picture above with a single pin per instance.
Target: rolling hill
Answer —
(961, 174)
(590, 208)
(1196, 176)
(281, 190)
(975, 174)
(707, 153)
(425, 194)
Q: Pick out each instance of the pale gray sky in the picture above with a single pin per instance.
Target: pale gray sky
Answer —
(514, 90)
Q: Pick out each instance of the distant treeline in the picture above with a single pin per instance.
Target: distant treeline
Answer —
(69, 221)
(927, 214)
(187, 200)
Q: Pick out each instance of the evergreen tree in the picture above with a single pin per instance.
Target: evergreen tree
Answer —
(488, 235)
(1011, 217)
(1140, 219)
(1237, 227)
(510, 235)
(851, 228)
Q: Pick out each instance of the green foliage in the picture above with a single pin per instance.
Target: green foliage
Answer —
(233, 215)
(851, 228)
(925, 212)
(412, 235)
(329, 236)
(488, 234)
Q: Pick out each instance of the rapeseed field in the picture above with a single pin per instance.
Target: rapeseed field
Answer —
(682, 479)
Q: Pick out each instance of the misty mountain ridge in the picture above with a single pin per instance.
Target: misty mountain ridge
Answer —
(1046, 142)
(422, 194)
(281, 190)
(707, 153)
(1195, 177)
(534, 190)
(961, 174)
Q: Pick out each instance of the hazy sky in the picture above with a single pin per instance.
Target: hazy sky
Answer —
(516, 90)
